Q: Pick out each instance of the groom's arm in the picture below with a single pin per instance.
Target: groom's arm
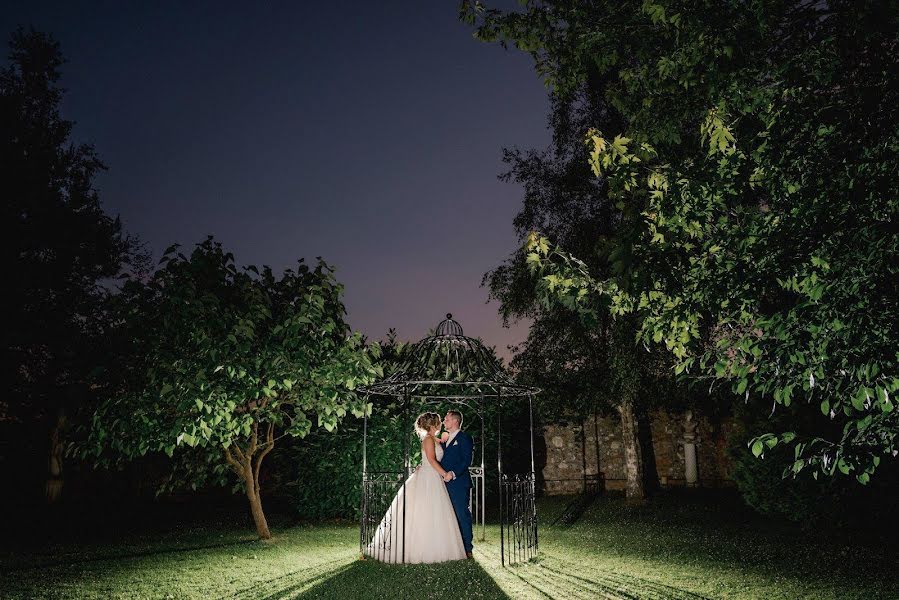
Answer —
(465, 456)
(469, 451)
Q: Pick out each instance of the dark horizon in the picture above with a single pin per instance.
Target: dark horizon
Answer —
(368, 135)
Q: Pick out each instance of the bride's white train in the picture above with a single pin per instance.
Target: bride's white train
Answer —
(431, 529)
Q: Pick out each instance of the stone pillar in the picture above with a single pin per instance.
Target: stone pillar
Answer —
(690, 471)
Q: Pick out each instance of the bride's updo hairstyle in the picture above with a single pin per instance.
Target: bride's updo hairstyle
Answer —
(425, 422)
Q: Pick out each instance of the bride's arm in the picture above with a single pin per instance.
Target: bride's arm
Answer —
(427, 449)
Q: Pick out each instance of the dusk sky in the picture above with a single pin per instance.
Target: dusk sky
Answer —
(368, 133)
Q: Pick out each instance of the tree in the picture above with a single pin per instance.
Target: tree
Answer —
(585, 363)
(755, 176)
(322, 469)
(59, 244)
(226, 362)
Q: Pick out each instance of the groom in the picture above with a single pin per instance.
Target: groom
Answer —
(457, 452)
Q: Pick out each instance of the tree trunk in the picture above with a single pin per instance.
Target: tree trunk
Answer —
(246, 463)
(252, 483)
(633, 455)
(53, 488)
(647, 452)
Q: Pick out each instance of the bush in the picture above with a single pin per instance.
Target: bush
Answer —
(840, 503)
(323, 471)
(763, 487)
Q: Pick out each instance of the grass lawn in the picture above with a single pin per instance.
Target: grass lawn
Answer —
(680, 547)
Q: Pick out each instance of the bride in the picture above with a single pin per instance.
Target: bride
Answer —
(431, 532)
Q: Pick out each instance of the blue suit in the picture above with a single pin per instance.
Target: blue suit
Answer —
(457, 458)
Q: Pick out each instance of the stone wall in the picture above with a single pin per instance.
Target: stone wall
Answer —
(569, 452)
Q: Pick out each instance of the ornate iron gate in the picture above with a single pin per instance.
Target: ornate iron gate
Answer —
(476, 500)
(378, 491)
(518, 518)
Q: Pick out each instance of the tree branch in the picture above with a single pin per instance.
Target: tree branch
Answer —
(241, 457)
(267, 447)
(252, 405)
(236, 466)
(254, 441)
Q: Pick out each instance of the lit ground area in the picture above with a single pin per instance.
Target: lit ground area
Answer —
(680, 547)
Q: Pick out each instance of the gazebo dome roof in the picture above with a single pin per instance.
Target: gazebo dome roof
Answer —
(449, 365)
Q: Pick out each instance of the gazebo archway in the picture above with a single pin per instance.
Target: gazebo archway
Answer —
(449, 368)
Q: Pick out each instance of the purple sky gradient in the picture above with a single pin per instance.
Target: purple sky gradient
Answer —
(368, 133)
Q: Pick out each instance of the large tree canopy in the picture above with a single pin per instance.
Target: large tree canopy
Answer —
(583, 365)
(752, 160)
(222, 362)
(58, 248)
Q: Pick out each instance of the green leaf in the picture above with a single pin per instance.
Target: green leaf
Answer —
(843, 466)
(758, 448)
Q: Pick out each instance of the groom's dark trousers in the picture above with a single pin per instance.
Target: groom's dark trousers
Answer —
(457, 458)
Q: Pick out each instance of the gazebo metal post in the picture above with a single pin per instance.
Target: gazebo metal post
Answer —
(531, 423)
(533, 471)
(499, 473)
(362, 524)
(596, 447)
(483, 498)
(405, 465)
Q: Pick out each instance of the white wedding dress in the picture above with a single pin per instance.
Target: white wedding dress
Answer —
(432, 531)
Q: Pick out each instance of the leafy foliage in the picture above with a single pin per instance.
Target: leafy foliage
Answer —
(761, 482)
(563, 355)
(752, 162)
(327, 466)
(221, 357)
(60, 244)
(324, 471)
(572, 359)
(835, 504)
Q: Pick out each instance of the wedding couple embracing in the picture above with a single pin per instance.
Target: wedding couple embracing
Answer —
(437, 514)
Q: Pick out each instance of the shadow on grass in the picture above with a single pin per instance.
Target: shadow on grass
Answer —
(293, 584)
(373, 579)
(613, 585)
(117, 556)
(557, 577)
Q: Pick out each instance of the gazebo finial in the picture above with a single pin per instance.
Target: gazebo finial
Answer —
(448, 326)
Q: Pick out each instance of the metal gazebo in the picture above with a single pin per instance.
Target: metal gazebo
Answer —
(451, 368)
